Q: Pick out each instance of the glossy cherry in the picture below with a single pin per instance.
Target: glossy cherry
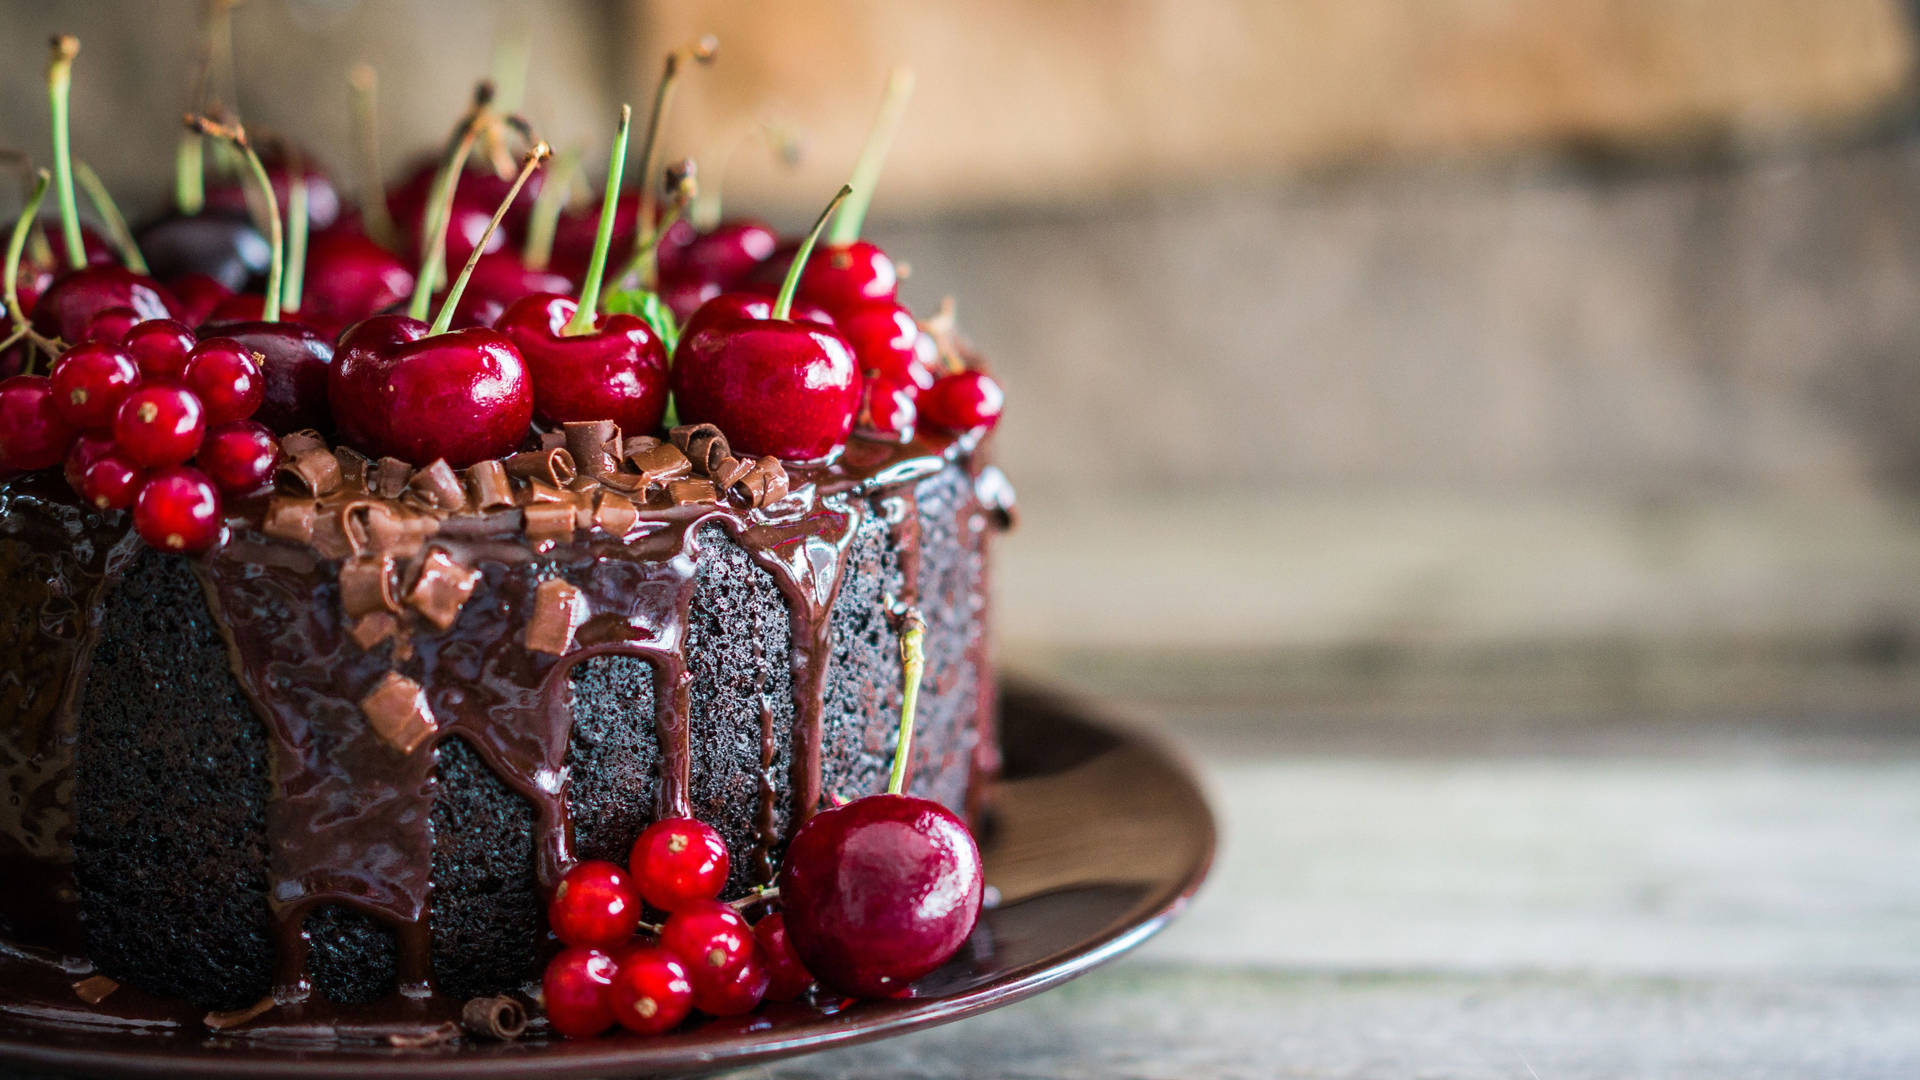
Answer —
(788, 978)
(178, 509)
(296, 361)
(479, 190)
(159, 424)
(221, 247)
(574, 989)
(712, 940)
(844, 277)
(397, 389)
(110, 482)
(677, 862)
(109, 326)
(594, 905)
(90, 381)
(723, 255)
(752, 307)
(888, 410)
(886, 339)
(239, 457)
(229, 197)
(160, 346)
(964, 401)
(650, 993)
(349, 278)
(33, 434)
(227, 378)
(499, 280)
(74, 298)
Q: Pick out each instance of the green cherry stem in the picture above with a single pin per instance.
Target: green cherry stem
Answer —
(783, 303)
(59, 92)
(536, 252)
(16, 246)
(534, 159)
(433, 252)
(701, 52)
(866, 171)
(363, 91)
(914, 661)
(236, 136)
(110, 216)
(644, 266)
(583, 315)
(294, 283)
(189, 175)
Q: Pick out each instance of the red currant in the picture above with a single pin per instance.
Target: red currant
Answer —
(651, 993)
(239, 456)
(679, 861)
(227, 379)
(160, 347)
(178, 510)
(595, 905)
(111, 482)
(887, 409)
(788, 977)
(741, 993)
(713, 940)
(574, 988)
(33, 435)
(160, 424)
(109, 326)
(90, 381)
(963, 401)
(85, 448)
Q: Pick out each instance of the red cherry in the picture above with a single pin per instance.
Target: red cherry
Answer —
(751, 306)
(198, 295)
(178, 510)
(843, 277)
(679, 861)
(684, 296)
(712, 939)
(192, 252)
(159, 424)
(777, 387)
(964, 401)
(463, 396)
(617, 371)
(349, 278)
(33, 435)
(740, 993)
(110, 325)
(887, 410)
(594, 905)
(475, 196)
(887, 342)
(879, 892)
(788, 977)
(499, 280)
(650, 993)
(86, 447)
(239, 456)
(89, 383)
(323, 199)
(227, 378)
(724, 255)
(574, 989)
(240, 307)
(160, 347)
(111, 482)
(73, 299)
(576, 232)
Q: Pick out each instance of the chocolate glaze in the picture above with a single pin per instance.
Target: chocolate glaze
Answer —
(349, 816)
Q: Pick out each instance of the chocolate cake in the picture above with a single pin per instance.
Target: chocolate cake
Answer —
(340, 758)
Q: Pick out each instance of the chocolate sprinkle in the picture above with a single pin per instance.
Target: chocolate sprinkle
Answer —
(300, 441)
(614, 513)
(442, 588)
(729, 471)
(373, 629)
(354, 467)
(438, 1035)
(558, 610)
(776, 474)
(398, 711)
(501, 1018)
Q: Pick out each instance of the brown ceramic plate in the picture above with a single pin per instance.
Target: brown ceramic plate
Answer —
(1095, 840)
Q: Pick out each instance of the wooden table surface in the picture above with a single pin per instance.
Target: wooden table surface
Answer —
(1646, 892)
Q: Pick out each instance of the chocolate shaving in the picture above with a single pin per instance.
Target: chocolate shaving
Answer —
(501, 1018)
(373, 526)
(366, 586)
(314, 471)
(554, 465)
(541, 492)
(441, 588)
(490, 486)
(728, 471)
(398, 711)
(776, 474)
(688, 492)
(752, 488)
(624, 481)
(390, 476)
(551, 439)
(637, 444)
(438, 1035)
(594, 444)
(354, 467)
(290, 519)
(373, 629)
(549, 521)
(558, 610)
(704, 444)
(233, 1018)
(299, 442)
(436, 487)
(614, 513)
(661, 463)
(94, 989)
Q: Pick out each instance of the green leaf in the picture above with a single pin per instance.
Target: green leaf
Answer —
(647, 304)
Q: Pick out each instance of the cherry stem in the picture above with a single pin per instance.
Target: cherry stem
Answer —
(783, 303)
(190, 175)
(536, 252)
(236, 136)
(534, 159)
(363, 89)
(914, 659)
(866, 171)
(17, 245)
(294, 283)
(440, 204)
(785, 144)
(583, 315)
(59, 92)
(702, 52)
(644, 265)
(110, 217)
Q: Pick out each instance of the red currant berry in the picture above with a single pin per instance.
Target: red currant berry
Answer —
(160, 347)
(574, 988)
(90, 381)
(33, 435)
(887, 410)
(741, 993)
(85, 448)
(227, 379)
(178, 510)
(651, 993)
(788, 977)
(239, 457)
(109, 326)
(963, 401)
(595, 905)
(160, 424)
(679, 861)
(111, 482)
(713, 940)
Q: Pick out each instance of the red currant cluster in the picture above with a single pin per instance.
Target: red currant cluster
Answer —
(127, 409)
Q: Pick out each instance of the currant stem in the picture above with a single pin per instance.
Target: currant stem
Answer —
(294, 283)
(536, 253)
(110, 217)
(589, 304)
(783, 303)
(535, 158)
(59, 93)
(866, 171)
(363, 88)
(236, 136)
(914, 660)
(440, 204)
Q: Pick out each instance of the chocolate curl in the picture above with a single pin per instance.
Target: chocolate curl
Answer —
(558, 610)
(501, 1018)
(301, 441)
(397, 710)
(549, 522)
(491, 489)
(390, 476)
(661, 463)
(541, 492)
(552, 439)
(689, 492)
(290, 519)
(373, 629)
(615, 513)
(729, 471)
(313, 471)
(354, 467)
(638, 444)
(442, 588)
(366, 586)
(776, 474)
(372, 526)
(233, 1018)
(594, 444)
(703, 444)
(554, 465)
(437, 488)
(94, 989)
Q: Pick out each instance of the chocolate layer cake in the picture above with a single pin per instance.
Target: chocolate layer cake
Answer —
(340, 758)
